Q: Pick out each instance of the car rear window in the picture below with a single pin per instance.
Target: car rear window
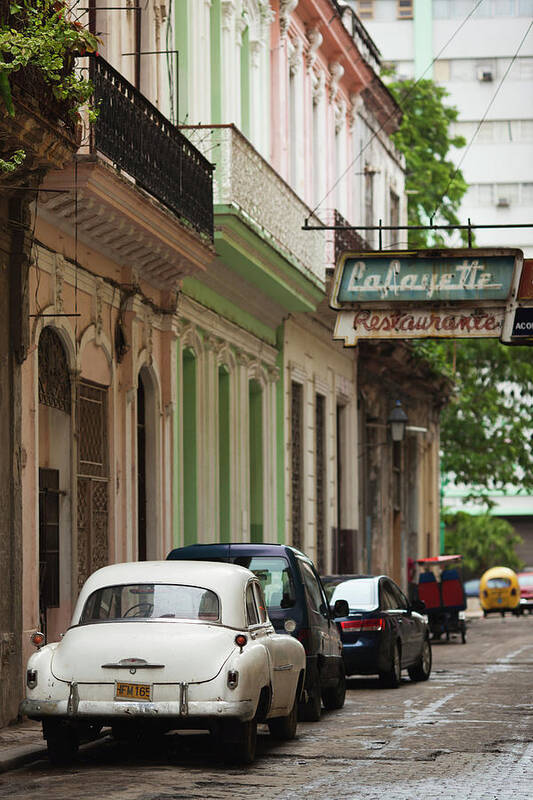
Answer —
(498, 583)
(526, 581)
(151, 601)
(274, 574)
(360, 594)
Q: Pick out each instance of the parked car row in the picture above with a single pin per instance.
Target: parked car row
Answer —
(254, 635)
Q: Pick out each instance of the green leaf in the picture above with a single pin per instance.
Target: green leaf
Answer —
(5, 93)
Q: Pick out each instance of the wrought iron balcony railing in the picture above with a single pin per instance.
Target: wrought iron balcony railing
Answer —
(143, 143)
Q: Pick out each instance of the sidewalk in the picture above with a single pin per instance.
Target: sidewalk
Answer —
(20, 744)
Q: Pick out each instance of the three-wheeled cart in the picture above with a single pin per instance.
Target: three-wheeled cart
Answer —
(440, 587)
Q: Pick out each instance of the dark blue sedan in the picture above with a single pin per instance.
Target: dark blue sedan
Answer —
(383, 633)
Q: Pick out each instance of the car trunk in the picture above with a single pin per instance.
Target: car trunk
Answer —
(171, 652)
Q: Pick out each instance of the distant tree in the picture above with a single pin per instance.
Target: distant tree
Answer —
(483, 541)
(434, 186)
(486, 429)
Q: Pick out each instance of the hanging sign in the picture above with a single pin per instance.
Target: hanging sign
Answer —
(425, 277)
(523, 323)
(525, 289)
(431, 322)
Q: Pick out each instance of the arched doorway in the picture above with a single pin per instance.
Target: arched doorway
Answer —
(55, 441)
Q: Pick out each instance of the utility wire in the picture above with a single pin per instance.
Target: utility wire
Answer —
(403, 99)
(480, 123)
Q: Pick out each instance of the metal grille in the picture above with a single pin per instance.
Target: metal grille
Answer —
(54, 380)
(142, 142)
(93, 509)
(296, 463)
(92, 425)
(320, 482)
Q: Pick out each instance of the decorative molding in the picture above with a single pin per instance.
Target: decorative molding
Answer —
(319, 87)
(336, 72)
(59, 277)
(340, 115)
(242, 358)
(227, 10)
(273, 373)
(286, 7)
(212, 343)
(315, 40)
(240, 27)
(297, 372)
(356, 102)
(266, 13)
(98, 310)
(255, 53)
(295, 56)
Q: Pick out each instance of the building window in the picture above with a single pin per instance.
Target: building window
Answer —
(405, 9)
(365, 9)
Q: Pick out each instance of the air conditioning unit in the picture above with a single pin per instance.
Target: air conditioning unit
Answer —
(503, 202)
(485, 74)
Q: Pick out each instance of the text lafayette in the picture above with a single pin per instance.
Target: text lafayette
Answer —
(468, 276)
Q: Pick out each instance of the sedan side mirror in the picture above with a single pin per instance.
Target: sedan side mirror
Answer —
(340, 609)
(419, 606)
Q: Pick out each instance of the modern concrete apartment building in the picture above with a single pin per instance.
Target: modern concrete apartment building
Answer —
(482, 53)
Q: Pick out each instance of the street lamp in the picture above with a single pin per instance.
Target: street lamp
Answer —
(398, 422)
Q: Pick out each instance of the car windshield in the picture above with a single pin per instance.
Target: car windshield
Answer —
(498, 583)
(526, 581)
(275, 577)
(360, 594)
(151, 601)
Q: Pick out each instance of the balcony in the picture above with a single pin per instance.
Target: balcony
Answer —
(141, 142)
(140, 193)
(247, 187)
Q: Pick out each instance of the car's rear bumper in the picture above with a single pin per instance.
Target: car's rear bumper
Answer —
(109, 710)
(362, 657)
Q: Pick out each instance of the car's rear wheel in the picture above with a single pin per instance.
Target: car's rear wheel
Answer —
(239, 741)
(422, 669)
(309, 709)
(333, 696)
(392, 677)
(62, 743)
(284, 728)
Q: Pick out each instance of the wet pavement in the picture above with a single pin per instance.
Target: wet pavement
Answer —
(466, 734)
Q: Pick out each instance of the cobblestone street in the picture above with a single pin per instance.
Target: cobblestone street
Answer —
(465, 734)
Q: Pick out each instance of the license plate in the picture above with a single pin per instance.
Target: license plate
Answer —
(133, 691)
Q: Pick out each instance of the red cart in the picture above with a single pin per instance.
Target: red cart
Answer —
(440, 587)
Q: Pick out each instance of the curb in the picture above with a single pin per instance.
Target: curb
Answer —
(20, 756)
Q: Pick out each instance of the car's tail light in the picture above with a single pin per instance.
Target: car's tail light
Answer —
(37, 638)
(304, 636)
(31, 678)
(240, 640)
(364, 625)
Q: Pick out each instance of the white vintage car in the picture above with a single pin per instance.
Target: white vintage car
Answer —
(160, 645)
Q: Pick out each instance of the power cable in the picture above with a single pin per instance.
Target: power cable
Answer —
(480, 123)
(402, 100)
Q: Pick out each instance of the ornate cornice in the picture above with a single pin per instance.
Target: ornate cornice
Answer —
(286, 7)
(295, 56)
(319, 87)
(336, 72)
(315, 40)
(227, 10)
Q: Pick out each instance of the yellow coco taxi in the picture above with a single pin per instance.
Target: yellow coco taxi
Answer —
(499, 591)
